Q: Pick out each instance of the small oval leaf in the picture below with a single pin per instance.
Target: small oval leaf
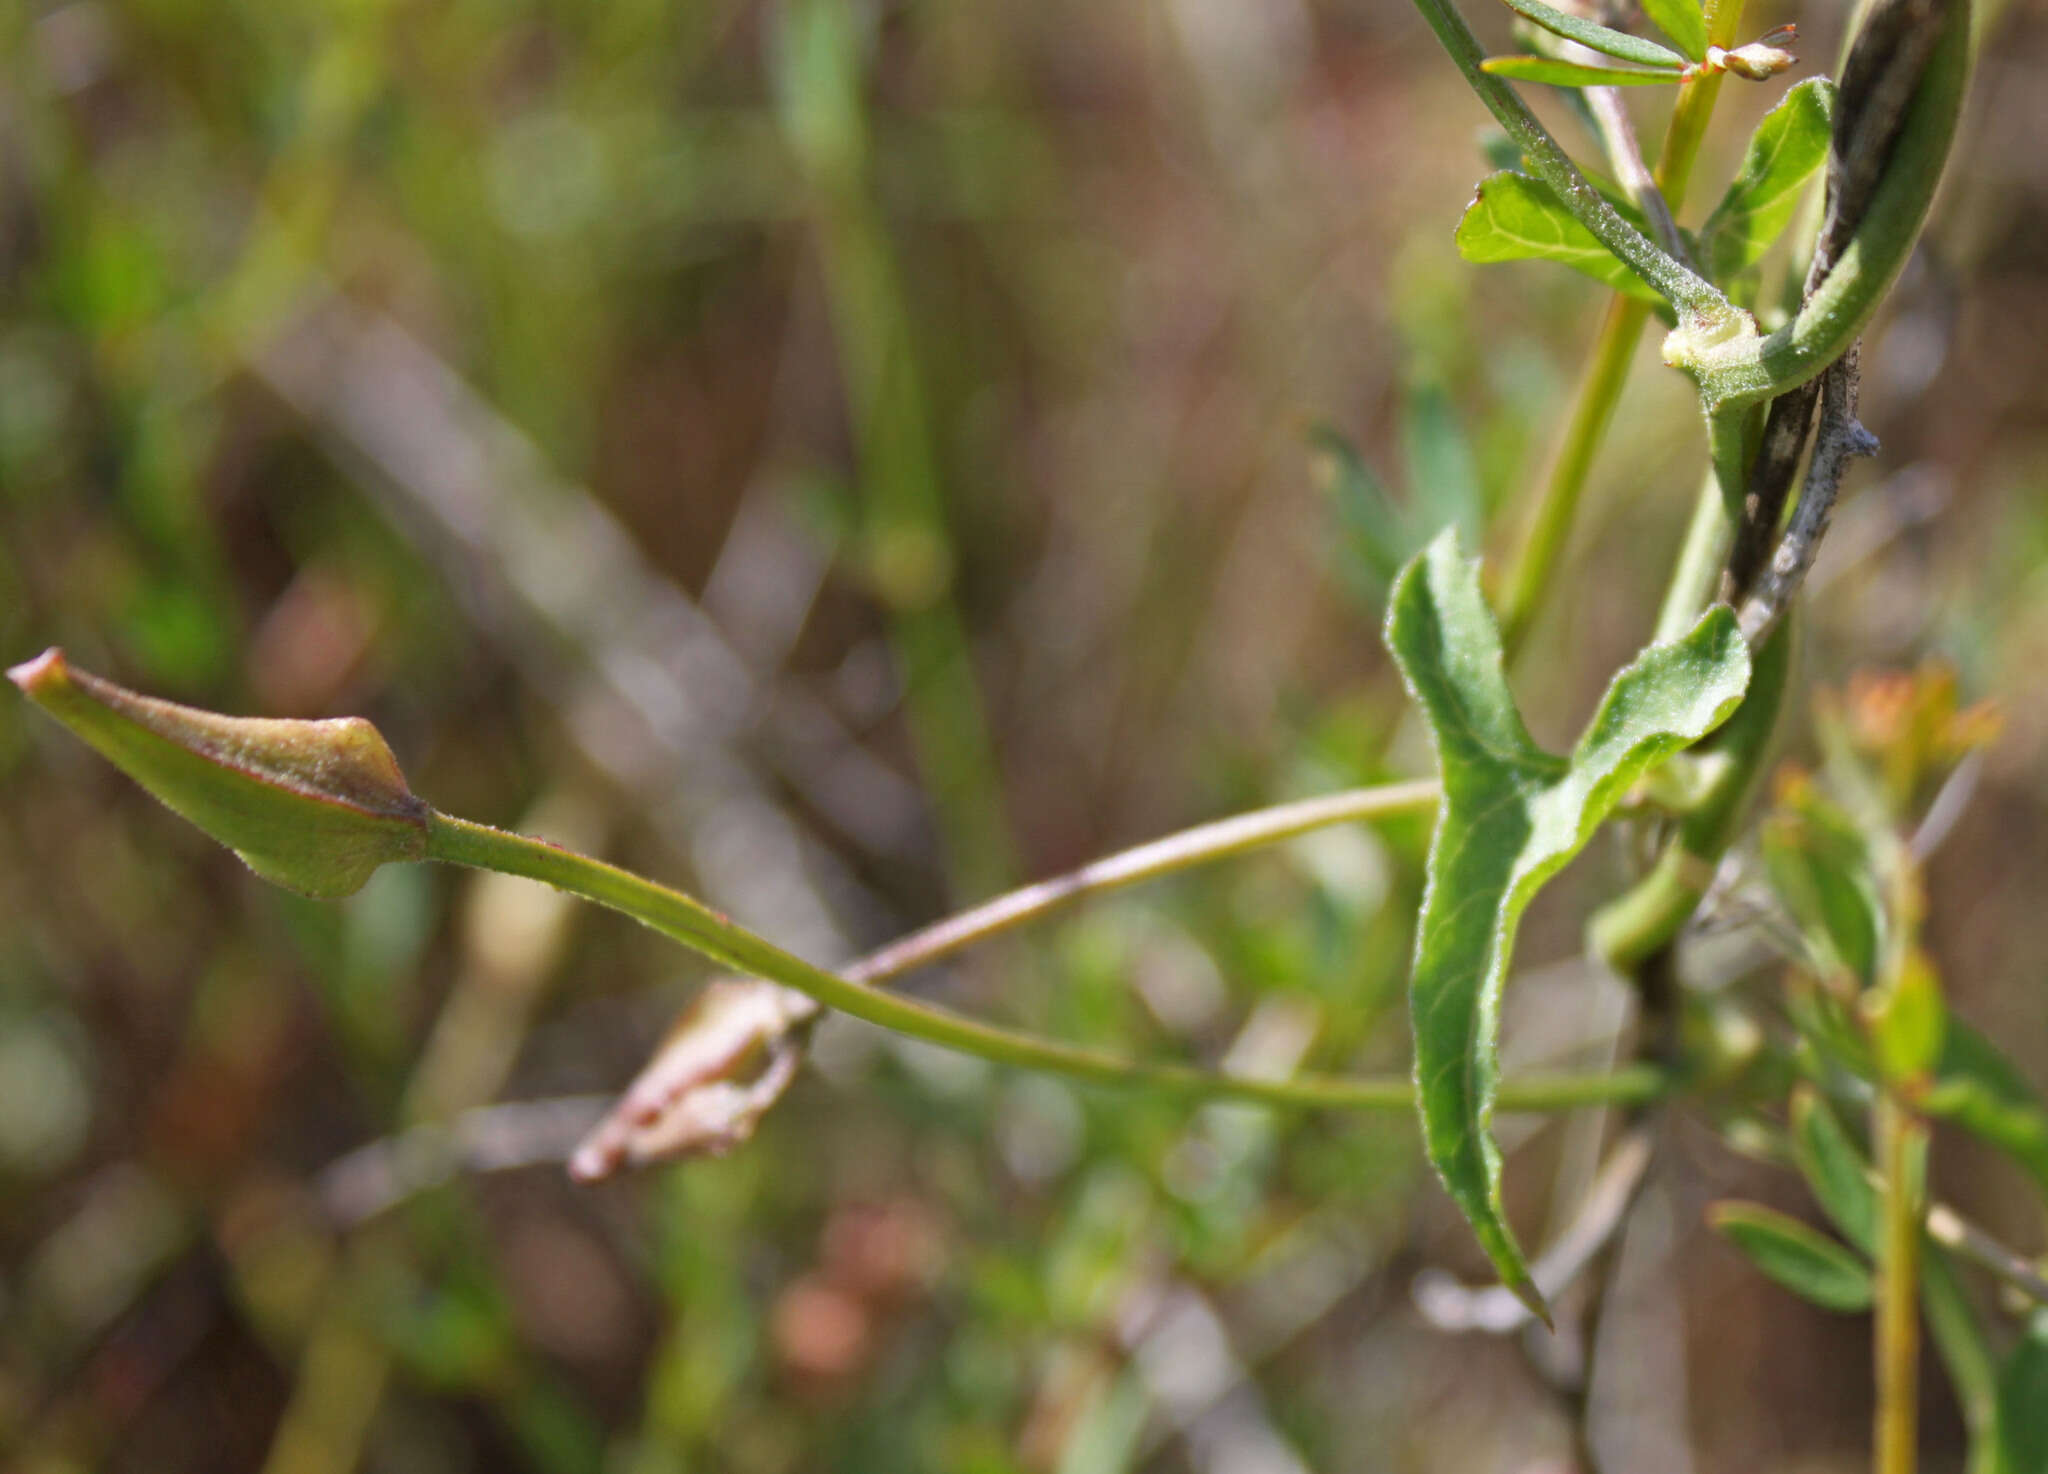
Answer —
(311, 806)
(1512, 816)
(1979, 1089)
(1574, 74)
(1805, 1262)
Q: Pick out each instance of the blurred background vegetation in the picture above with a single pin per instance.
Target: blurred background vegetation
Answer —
(847, 458)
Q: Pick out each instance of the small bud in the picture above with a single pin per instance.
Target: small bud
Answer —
(311, 806)
(1761, 59)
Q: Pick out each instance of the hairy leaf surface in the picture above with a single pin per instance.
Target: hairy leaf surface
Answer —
(1512, 816)
(1788, 146)
(1515, 218)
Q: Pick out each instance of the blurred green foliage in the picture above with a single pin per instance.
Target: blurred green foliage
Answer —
(955, 360)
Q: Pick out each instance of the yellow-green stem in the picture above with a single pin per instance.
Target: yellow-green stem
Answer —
(1593, 411)
(687, 920)
(1535, 562)
(1902, 1149)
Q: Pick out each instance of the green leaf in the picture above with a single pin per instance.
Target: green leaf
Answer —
(1683, 21)
(1788, 146)
(311, 806)
(1437, 454)
(1376, 536)
(1512, 816)
(2023, 1400)
(1807, 1263)
(1515, 218)
(1572, 74)
(1978, 1089)
(1907, 1019)
(1820, 865)
(1618, 44)
(1833, 1168)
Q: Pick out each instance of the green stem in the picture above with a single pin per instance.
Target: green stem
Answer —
(1742, 369)
(1731, 448)
(1693, 295)
(1699, 563)
(1902, 1148)
(697, 926)
(1695, 107)
(1608, 366)
(1190, 847)
(1535, 564)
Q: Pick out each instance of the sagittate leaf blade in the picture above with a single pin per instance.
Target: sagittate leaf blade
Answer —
(1789, 144)
(1618, 44)
(1807, 1263)
(1512, 816)
(1573, 74)
(1683, 21)
(1515, 218)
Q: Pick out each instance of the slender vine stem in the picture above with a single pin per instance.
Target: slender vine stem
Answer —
(1190, 847)
(1534, 569)
(1687, 291)
(687, 920)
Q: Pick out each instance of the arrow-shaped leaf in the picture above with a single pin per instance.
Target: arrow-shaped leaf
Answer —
(1512, 816)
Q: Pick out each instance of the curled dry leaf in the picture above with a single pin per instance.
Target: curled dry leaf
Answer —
(687, 1101)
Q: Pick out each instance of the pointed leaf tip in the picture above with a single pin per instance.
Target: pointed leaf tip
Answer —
(314, 806)
(31, 675)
